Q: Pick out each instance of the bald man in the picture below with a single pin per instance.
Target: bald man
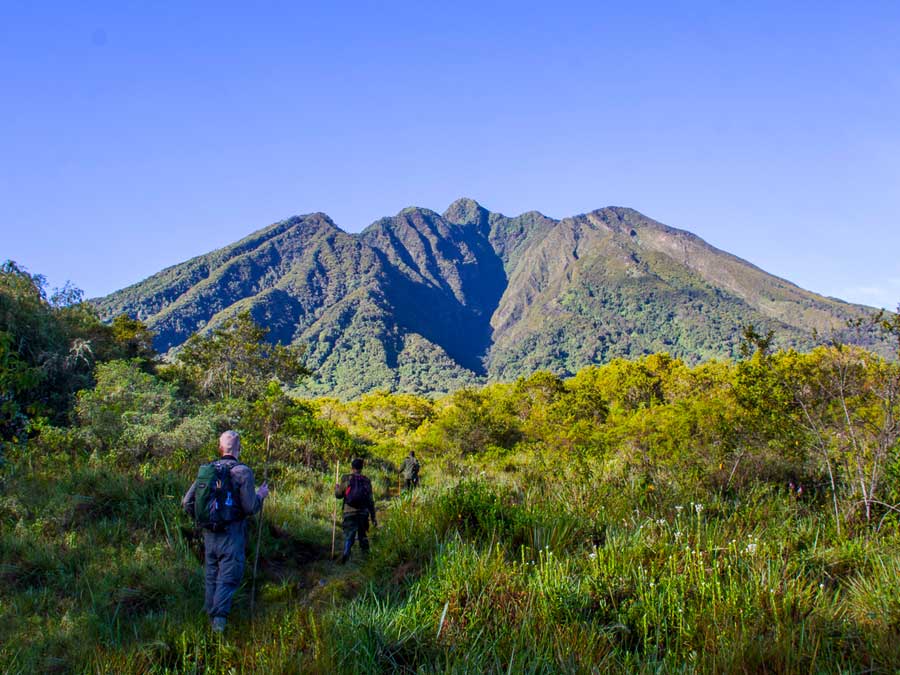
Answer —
(225, 549)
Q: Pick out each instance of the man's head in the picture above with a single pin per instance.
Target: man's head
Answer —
(357, 464)
(230, 444)
(412, 453)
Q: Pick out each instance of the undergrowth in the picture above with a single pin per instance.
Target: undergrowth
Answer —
(490, 572)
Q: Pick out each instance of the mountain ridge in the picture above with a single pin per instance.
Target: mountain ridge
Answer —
(426, 302)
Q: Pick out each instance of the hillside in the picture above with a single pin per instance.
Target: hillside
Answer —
(426, 302)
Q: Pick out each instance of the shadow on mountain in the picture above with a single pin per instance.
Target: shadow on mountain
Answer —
(280, 312)
(462, 329)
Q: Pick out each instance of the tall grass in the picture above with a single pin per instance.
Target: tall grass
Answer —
(507, 572)
(724, 585)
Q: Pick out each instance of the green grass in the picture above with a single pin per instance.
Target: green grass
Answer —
(729, 586)
(495, 573)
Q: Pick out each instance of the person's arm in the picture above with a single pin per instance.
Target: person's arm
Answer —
(340, 489)
(251, 500)
(187, 502)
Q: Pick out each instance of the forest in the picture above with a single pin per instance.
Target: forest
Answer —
(643, 515)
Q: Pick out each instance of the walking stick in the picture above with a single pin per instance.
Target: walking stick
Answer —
(337, 470)
(259, 527)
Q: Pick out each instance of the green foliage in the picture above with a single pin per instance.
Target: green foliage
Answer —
(235, 361)
(428, 304)
(129, 410)
(471, 422)
(49, 347)
(134, 338)
(641, 516)
(720, 585)
(481, 513)
(17, 381)
(380, 414)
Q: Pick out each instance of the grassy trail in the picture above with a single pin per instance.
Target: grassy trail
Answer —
(530, 573)
(297, 584)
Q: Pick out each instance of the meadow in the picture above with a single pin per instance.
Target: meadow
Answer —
(536, 568)
(640, 516)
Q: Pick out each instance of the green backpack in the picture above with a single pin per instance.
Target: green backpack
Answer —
(216, 502)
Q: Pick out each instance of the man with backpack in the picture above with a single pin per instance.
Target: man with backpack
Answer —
(410, 470)
(359, 505)
(219, 501)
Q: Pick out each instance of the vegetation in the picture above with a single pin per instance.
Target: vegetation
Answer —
(49, 345)
(426, 303)
(235, 361)
(645, 515)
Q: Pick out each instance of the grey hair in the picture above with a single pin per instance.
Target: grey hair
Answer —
(229, 442)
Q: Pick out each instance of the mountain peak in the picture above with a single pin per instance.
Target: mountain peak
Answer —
(423, 302)
(417, 210)
(317, 220)
(466, 211)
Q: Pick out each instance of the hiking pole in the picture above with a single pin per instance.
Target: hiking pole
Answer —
(337, 470)
(259, 528)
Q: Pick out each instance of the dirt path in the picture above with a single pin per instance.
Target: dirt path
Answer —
(307, 569)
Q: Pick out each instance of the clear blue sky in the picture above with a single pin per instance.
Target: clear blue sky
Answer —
(134, 135)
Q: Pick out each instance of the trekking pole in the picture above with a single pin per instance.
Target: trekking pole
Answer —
(259, 528)
(337, 470)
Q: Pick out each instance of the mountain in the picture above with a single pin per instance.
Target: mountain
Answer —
(427, 302)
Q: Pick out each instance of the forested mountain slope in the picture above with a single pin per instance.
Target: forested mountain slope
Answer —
(425, 302)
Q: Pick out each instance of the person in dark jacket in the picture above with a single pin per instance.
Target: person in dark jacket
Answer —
(356, 515)
(225, 550)
(410, 470)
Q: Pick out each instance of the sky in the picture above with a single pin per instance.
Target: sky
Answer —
(135, 135)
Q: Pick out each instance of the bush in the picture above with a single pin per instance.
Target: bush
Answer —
(128, 411)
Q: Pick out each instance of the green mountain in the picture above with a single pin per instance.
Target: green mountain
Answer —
(424, 302)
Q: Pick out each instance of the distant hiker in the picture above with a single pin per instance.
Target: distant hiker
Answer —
(359, 506)
(410, 470)
(219, 501)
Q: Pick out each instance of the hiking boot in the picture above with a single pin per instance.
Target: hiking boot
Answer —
(218, 624)
(343, 559)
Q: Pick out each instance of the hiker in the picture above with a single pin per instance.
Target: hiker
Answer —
(219, 501)
(359, 505)
(410, 470)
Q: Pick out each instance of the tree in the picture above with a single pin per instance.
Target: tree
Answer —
(17, 378)
(135, 340)
(128, 409)
(631, 385)
(850, 403)
(58, 340)
(474, 421)
(235, 360)
(384, 416)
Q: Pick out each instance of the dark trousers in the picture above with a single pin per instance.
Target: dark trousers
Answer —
(224, 568)
(411, 483)
(355, 525)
